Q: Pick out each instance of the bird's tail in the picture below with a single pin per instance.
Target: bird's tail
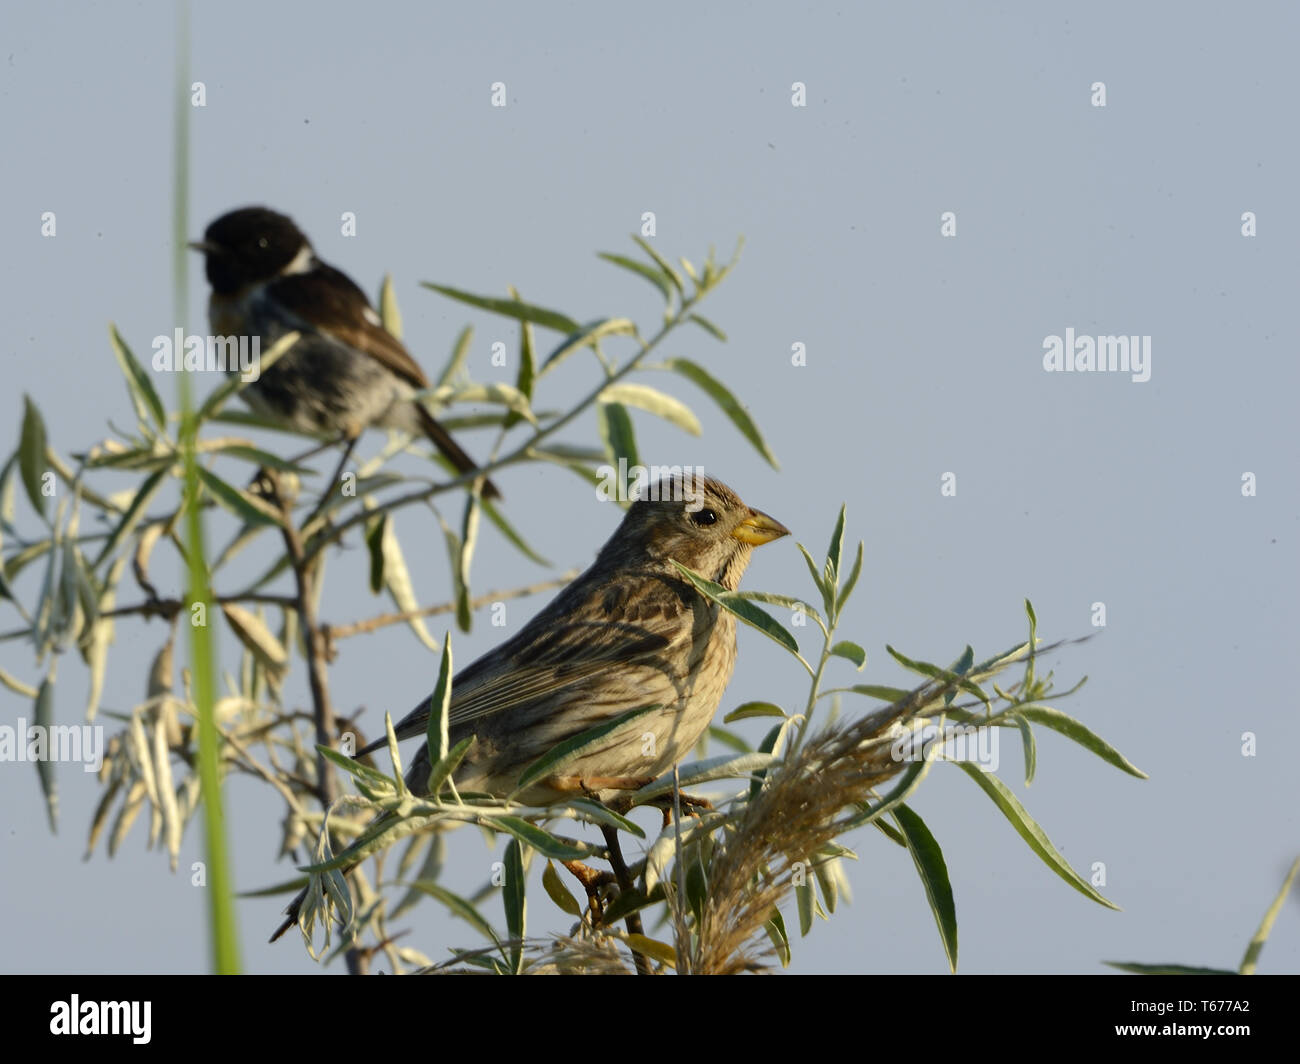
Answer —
(455, 454)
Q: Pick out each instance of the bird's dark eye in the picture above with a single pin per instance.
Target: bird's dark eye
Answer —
(704, 517)
(263, 242)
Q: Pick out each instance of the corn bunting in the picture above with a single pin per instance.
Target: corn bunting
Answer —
(629, 632)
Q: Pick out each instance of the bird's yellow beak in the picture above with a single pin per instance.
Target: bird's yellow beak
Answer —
(758, 528)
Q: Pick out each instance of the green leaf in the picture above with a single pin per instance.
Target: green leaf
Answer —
(1249, 961)
(542, 841)
(512, 896)
(459, 353)
(442, 770)
(835, 551)
(754, 709)
(251, 508)
(440, 707)
(746, 611)
(653, 401)
(132, 515)
(1030, 747)
(827, 599)
(707, 326)
(597, 813)
(468, 540)
(1072, 729)
(143, 396)
(1165, 969)
(662, 263)
(510, 308)
(588, 335)
(397, 578)
(655, 277)
(375, 548)
(1028, 830)
(851, 651)
(775, 928)
(508, 530)
(527, 367)
(804, 902)
(706, 771)
(933, 871)
(558, 892)
(458, 906)
(389, 316)
(571, 749)
(934, 672)
(31, 454)
(619, 437)
(652, 948)
(258, 457)
(732, 407)
(44, 714)
(847, 589)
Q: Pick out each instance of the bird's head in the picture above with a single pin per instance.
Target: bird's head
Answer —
(696, 521)
(252, 245)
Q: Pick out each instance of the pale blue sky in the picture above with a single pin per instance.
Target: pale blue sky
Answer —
(923, 357)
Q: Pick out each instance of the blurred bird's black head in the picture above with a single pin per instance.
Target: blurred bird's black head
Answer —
(252, 245)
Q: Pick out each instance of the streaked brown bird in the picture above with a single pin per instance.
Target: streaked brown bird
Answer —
(629, 632)
(346, 372)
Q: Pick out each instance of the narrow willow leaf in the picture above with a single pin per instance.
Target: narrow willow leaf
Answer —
(596, 813)
(714, 768)
(459, 355)
(373, 778)
(707, 326)
(804, 902)
(132, 515)
(1072, 729)
(753, 709)
(834, 553)
(261, 642)
(512, 535)
(1030, 747)
(1165, 969)
(397, 578)
(586, 336)
(656, 277)
(934, 672)
(510, 308)
(468, 540)
(933, 871)
(775, 928)
(436, 734)
(389, 315)
(171, 814)
(512, 896)
(847, 589)
(1029, 830)
(250, 508)
(527, 373)
(653, 401)
(235, 382)
(652, 948)
(375, 548)
(44, 714)
(619, 437)
(443, 770)
(662, 263)
(1256, 947)
(746, 611)
(458, 906)
(31, 454)
(570, 750)
(143, 395)
(542, 841)
(558, 892)
(732, 407)
(851, 651)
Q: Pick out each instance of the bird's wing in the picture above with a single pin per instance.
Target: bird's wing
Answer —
(556, 651)
(334, 305)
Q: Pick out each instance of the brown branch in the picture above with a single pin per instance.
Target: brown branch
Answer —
(343, 631)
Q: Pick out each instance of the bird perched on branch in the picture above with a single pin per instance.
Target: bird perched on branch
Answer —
(346, 372)
(630, 632)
